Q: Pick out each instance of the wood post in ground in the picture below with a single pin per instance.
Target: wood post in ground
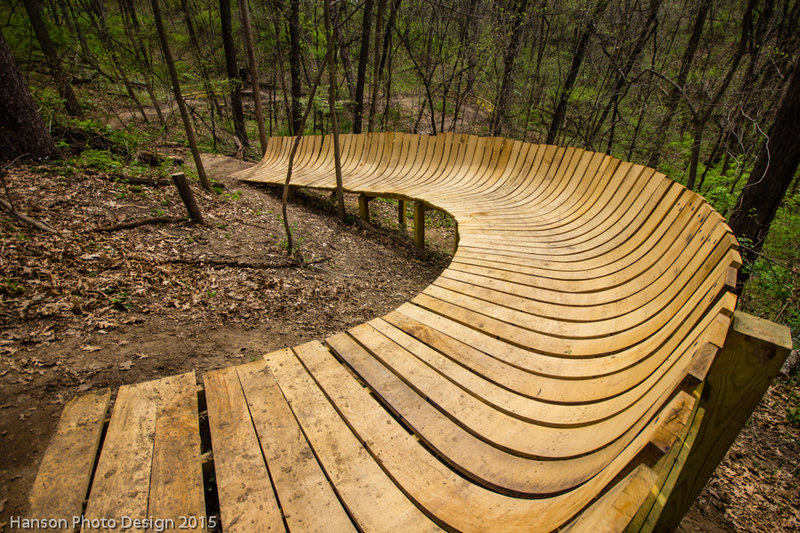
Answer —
(419, 225)
(363, 207)
(179, 178)
(292, 195)
(401, 213)
(456, 238)
(754, 351)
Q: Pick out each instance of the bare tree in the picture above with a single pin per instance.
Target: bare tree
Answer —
(677, 89)
(232, 72)
(34, 10)
(176, 89)
(363, 56)
(244, 13)
(332, 106)
(499, 121)
(294, 63)
(572, 74)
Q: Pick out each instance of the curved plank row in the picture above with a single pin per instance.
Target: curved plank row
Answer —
(512, 391)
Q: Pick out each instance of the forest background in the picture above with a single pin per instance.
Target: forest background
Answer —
(695, 89)
(690, 88)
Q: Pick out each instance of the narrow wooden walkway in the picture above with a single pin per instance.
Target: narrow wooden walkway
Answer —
(541, 382)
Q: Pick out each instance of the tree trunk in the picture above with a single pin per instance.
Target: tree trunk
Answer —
(706, 109)
(285, 197)
(176, 88)
(34, 10)
(572, 74)
(363, 55)
(683, 73)
(619, 89)
(22, 130)
(771, 176)
(131, 24)
(332, 106)
(232, 71)
(373, 104)
(98, 19)
(294, 63)
(341, 42)
(499, 121)
(197, 52)
(244, 13)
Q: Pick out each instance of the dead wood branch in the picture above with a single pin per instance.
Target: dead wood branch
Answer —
(143, 222)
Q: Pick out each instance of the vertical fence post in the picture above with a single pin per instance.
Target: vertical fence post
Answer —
(743, 369)
(419, 225)
(401, 213)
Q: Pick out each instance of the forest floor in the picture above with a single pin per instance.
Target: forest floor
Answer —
(86, 309)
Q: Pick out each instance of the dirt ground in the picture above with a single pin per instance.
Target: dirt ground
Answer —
(86, 309)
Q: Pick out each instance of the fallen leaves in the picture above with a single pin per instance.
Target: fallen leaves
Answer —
(90, 348)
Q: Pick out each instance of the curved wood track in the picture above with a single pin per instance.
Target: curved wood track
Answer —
(530, 376)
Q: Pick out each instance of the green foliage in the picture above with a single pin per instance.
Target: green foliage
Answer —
(100, 160)
(774, 288)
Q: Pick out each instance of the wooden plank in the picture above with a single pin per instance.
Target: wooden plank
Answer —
(371, 497)
(176, 480)
(62, 483)
(751, 357)
(438, 489)
(247, 500)
(473, 457)
(121, 485)
(615, 509)
(307, 499)
(668, 468)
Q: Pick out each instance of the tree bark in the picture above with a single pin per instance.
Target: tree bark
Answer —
(244, 13)
(34, 10)
(771, 176)
(22, 130)
(572, 74)
(176, 88)
(232, 71)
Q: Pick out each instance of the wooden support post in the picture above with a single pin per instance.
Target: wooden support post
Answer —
(456, 238)
(419, 225)
(292, 194)
(179, 179)
(401, 213)
(754, 351)
(363, 207)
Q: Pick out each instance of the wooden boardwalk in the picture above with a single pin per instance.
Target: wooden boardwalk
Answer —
(547, 379)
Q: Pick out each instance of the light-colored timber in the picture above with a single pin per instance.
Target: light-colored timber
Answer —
(574, 368)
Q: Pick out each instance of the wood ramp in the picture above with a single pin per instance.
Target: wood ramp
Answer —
(551, 378)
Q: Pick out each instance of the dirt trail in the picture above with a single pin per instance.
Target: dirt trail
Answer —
(87, 310)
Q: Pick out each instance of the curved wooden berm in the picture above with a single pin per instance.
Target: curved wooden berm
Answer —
(566, 335)
(551, 378)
